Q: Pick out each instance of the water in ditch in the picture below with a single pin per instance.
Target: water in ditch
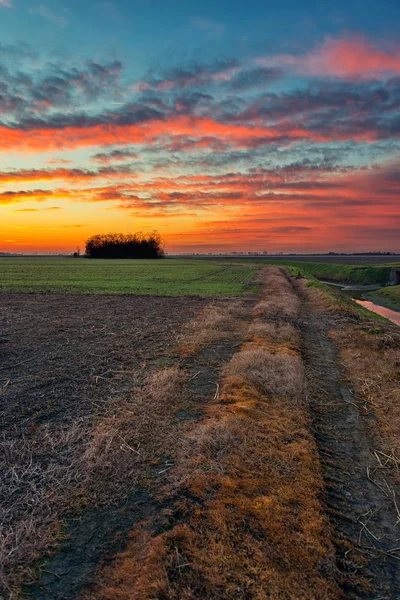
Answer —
(357, 295)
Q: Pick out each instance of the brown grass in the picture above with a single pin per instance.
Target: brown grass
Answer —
(252, 525)
(370, 352)
(278, 299)
(98, 464)
(273, 375)
(36, 471)
(275, 332)
(216, 322)
(246, 521)
(371, 355)
(133, 438)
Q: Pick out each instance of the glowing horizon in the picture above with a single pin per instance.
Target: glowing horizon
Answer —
(219, 143)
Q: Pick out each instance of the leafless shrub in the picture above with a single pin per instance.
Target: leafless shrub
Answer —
(275, 375)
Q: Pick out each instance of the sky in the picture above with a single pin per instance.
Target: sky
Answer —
(226, 126)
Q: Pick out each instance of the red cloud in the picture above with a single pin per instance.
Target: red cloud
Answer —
(196, 129)
(347, 58)
(70, 175)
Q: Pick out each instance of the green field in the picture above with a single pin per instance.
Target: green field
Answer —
(168, 277)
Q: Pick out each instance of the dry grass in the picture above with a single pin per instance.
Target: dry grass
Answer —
(320, 300)
(273, 375)
(135, 437)
(275, 332)
(98, 464)
(323, 298)
(246, 520)
(279, 301)
(371, 356)
(216, 322)
(36, 471)
(251, 525)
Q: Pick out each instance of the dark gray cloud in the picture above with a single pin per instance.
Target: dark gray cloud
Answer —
(118, 154)
(189, 76)
(255, 78)
(29, 88)
(81, 97)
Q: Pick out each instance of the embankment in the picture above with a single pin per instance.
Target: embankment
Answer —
(387, 296)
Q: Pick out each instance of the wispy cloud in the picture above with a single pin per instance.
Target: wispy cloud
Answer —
(47, 13)
(57, 85)
(5, 3)
(189, 76)
(213, 28)
(36, 209)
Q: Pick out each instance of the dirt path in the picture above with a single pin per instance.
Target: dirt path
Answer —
(362, 515)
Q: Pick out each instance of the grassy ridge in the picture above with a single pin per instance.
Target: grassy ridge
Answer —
(341, 302)
(362, 274)
(359, 274)
(173, 277)
(387, 296)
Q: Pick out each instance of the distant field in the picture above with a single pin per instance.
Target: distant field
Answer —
(346, 259)
(169, 277)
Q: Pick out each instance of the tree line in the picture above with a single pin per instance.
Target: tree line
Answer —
(125, 245)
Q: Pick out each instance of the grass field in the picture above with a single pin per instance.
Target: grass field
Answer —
(170, 277)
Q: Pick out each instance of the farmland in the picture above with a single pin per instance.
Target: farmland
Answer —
(194, 430)
(146, 277)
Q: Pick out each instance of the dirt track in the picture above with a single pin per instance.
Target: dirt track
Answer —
(359, 510)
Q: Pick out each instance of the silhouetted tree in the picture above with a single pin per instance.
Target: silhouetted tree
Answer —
(121, 245)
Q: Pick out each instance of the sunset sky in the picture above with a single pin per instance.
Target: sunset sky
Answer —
(224, 125)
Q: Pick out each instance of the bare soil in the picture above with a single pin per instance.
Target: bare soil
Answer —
(63, 356)
(64, 362)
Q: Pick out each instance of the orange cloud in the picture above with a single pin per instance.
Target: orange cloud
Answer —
(291, 209)
(70, 175)
(189, 127)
